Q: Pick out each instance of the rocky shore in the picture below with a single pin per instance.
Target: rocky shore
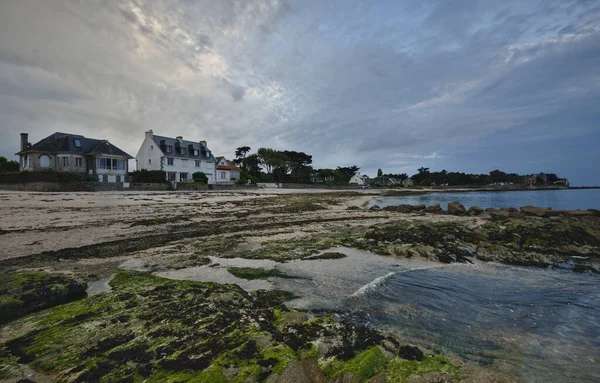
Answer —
(146, 328)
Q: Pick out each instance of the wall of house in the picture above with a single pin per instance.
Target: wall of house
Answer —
(111, 175)
(223, 176)
(71, 165)
(149, 156)
(181, 165)
(55, 162)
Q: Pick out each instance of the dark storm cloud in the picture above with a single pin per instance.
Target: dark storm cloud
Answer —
(392, 85)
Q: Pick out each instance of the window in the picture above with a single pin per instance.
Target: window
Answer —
(65, 161)
(184, 163)
(79, 162)
(77, 144)
(169, 149)
(151, 147)
(222, 175)
(170, 161)
(172, 176)
(109, 163)
(207, 153)
(149, 161)
(25, 162)
(121, 165)
(196, 152)
(197, 164)
(183, 151)
(44, 161)
(183, 177)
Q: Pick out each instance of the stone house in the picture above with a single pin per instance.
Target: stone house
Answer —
(74, 153)
(177, 157)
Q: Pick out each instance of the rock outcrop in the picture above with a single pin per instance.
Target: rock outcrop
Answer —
(404, 208)
(456, 208)
(30, 291)
(474, 210)
(434, 209)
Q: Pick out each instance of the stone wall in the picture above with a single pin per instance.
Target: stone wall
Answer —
(317, 186)
(99, 186)
(80, 186)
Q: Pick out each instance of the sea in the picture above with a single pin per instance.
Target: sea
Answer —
(569, 199)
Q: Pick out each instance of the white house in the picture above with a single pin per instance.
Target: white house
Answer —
(357, 179)
(179, 158)
(227, 172)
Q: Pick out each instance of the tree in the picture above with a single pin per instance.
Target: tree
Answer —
(272, 159)
(8, 166)
(423, 170)
(327, 174)
(252, 164)
(242, 151)
(297, 160)
(348, 171)
(379, 172)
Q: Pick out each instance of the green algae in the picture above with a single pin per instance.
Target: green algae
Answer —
(155, 329)
(399, 370)
(363, 366)
(29, 291)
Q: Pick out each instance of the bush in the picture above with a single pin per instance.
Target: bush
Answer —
(200, 177)
(148, 176)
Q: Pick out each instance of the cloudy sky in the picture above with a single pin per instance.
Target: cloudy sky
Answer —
(457, 85)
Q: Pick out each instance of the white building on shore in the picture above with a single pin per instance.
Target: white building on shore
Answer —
(179, 158)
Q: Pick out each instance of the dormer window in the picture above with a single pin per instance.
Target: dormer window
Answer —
(77, 143)
(169, 149)
(183, 151)
(196, 152)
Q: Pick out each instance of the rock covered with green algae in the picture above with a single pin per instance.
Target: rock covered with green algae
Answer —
(29, 291)
(157, 330)
(568, 242)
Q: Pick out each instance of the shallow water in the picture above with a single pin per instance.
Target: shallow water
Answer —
(556, 199)
(538, 325)
(541, 325)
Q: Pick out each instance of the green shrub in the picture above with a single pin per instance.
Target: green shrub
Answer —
(148, 176)
(200, 177)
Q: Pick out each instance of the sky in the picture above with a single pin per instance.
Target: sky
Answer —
(461, 85)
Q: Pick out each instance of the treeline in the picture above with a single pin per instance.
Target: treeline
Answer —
(270, 165)
(426, 178)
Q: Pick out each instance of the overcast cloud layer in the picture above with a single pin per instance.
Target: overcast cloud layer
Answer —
(457, 85)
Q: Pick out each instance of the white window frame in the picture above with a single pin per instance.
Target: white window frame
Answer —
(170, 161)
(197, 164)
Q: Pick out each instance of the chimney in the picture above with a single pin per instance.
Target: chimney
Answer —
(149, 134)
(24, 142)
(203, 143)
(179, 138)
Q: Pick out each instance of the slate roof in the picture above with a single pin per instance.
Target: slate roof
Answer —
(162, 142)
(65, 143)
